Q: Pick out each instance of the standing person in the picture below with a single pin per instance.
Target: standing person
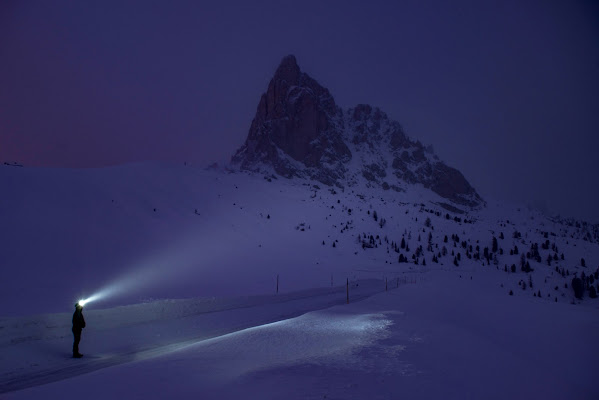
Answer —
(78, 325)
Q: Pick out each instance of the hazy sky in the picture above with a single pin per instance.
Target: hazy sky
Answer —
(505, 91)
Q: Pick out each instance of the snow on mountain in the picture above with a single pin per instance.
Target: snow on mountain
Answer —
(178, 231)
(298, 130)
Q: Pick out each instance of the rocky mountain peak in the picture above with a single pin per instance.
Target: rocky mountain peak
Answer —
(299, 131)
(288, 70)
(295, 129)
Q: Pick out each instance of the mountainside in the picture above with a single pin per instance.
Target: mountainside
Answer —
(149, 230)
(429, 291)
(299, 131)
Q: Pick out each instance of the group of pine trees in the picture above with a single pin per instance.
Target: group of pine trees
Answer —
(579, 285)
(586, 283)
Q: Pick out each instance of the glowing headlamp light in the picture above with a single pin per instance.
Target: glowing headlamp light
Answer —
(94, 297)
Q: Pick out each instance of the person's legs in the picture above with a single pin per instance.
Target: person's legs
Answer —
(77, 335)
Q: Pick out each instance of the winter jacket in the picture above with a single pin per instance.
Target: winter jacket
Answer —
(78, 320)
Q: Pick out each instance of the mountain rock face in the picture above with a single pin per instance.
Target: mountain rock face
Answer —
(296, 129)
(299, 131)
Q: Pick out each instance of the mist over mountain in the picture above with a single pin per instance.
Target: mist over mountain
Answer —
(299, 131)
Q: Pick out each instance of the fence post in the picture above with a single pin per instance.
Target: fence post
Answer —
(385, 284)
(277, 283)
(347, 290)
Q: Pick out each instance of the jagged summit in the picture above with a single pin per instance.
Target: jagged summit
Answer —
(288, 69)
(295, 130)
(299, 131)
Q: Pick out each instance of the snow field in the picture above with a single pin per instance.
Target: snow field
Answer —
(424, 340)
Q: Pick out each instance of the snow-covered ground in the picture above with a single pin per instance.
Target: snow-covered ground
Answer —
(440, 337)
(185, 264)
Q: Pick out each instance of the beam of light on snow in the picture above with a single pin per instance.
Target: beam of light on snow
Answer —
(326, 336)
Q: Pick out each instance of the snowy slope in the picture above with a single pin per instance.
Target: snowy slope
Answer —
(73, 232)
(141, 232)
(70, 233)
(418, 341)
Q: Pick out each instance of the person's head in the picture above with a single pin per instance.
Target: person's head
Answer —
(78, 307)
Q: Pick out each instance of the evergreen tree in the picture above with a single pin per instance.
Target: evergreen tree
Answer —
(578, 287)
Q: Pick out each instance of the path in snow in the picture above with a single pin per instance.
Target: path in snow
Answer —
(138, 332)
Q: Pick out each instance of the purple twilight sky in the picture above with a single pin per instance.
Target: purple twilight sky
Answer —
(505, 91)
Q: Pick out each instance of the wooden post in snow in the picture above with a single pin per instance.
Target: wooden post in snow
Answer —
(347, 290)
(277, 283)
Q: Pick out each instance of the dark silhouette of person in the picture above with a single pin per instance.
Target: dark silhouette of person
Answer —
(78, 325)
